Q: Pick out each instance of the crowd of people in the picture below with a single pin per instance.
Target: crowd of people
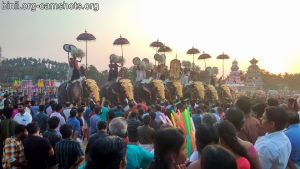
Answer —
(248, 134)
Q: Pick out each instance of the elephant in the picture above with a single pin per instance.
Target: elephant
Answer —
(117, 92)
(70, 92)
(194, 91)
(149, 92)
(78, 91)
(173, 90)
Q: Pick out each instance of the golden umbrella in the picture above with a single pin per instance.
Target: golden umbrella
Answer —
(223, 57)
(204, 56)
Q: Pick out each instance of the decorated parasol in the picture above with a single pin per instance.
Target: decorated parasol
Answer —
(223, 57)
(204, 56)
(121, 41)
(156, 44)
(193, 51)
(85, 37)
(164, 49)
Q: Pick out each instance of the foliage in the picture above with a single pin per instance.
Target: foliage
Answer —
(31, 68)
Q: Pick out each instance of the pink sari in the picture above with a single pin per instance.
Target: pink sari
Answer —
(242, 163)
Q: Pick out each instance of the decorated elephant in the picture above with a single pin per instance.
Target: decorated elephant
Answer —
(173, 90)
(211, 95)
(78, 91)
(118, 91)
(149, 92)
(225, 96)
(194, 91)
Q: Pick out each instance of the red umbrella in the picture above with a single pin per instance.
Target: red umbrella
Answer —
(204, 56)
(85, 37)
(223, 57)
(121, 41)
(193, 51)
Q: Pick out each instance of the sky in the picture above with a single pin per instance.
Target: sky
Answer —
(268, 30)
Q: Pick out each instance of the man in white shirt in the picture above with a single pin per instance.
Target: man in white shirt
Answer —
(22, 117)
(67, 110)
(274, 148)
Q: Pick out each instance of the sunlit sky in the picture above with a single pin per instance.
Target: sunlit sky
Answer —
(268, 30)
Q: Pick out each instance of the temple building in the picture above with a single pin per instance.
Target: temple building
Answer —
(253, 79)
(234, 79)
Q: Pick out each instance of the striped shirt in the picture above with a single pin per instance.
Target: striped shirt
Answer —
(67, 152)
(13, 151)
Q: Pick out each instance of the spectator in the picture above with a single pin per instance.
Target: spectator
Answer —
(22, 117)
(136, 156)
(197, 116)
(7, 126)
(205, 135)
(7, 102)
(54, 137)
(120, 112)
(292, 133)
(13, 151)
(217, 157)
(41, 118)
(88, 113)
(74, 122)
(274, 148)
(169, 149)
(67, 110)
(94, 120)
(34, 108)
(273, 102)
(236, 117)
(209, 119)
(50, 108)
(104, 110)
(80, 118)
(68, 152)
(107, 152)
(101, 133)
(58, 110)
(229, 140)
(251, 127)
(37, 149)
(259, 109)
(111, 115)
(133, 124)
(146, 134)
(158, 113)
(154, 124)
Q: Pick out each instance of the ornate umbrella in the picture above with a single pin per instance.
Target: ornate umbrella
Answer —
(204, 56)
(193, 51)
(223, 57)
(121, 41)
(85, 37)
(164, 49)
(156, 44)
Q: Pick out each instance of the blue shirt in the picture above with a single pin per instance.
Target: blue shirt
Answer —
(86, 116)
(138, 157)
(93, 123)
(76, 125)
(104, 112)
(273, 150)
(293, 133)
(34, 110)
